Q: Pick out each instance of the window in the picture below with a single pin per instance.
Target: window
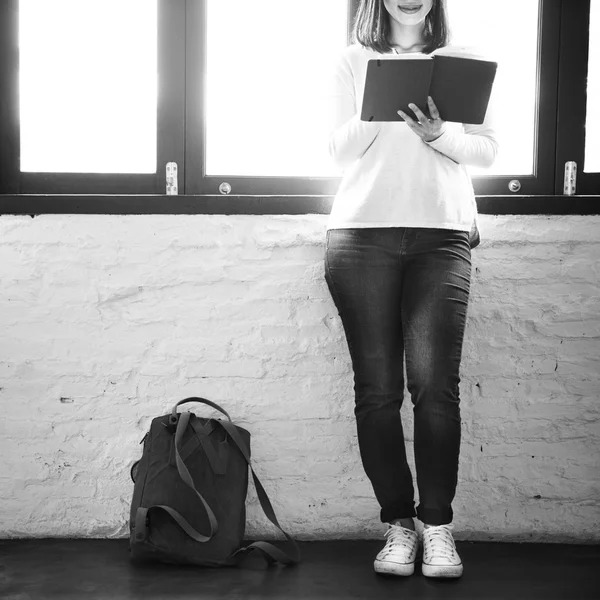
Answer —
(527, 127)
(87, 106)
(253, 107)
(237, 108)
(264, 112)
(578, 135)
(81, 110)
(475, 25)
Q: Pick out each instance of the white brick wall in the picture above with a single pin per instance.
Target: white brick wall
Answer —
(106, 321)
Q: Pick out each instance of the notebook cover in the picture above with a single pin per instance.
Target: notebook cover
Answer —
(461, 87)
(391, 84)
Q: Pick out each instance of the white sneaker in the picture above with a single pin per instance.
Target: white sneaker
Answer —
(440, 558)
(399, 553)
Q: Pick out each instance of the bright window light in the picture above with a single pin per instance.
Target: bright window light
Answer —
(267, 69)
(487, 26)
(88, 85)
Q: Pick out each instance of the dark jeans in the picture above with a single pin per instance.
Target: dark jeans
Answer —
(403, 292)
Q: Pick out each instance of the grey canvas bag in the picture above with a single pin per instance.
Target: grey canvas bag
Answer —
(189, 496)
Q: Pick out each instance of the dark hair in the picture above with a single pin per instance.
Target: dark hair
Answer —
(372, 26)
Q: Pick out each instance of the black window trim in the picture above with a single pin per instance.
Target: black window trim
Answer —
(571, 43)
(216, 204)
(170, 119)
(572, 98)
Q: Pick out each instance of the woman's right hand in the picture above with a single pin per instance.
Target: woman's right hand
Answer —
(427, 129)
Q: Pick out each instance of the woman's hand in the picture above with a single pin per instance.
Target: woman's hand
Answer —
(426, 129)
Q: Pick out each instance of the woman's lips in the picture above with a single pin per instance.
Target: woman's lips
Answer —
(410, 10)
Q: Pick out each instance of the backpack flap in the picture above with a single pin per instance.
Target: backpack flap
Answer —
(142, 520)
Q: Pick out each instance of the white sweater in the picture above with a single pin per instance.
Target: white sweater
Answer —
(391, 177)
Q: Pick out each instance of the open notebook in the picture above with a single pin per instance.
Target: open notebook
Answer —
(459, 82)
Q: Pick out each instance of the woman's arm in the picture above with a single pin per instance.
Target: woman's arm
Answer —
(476, 146)
(349, 137)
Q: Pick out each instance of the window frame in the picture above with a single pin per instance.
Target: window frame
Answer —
(46, 193)
(539, 183)
(197, 182)
(170, 115)
(572, 109)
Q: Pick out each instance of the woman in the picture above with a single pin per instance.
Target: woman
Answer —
(398, 266)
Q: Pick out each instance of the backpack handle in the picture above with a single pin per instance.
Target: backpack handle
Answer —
(173, 417)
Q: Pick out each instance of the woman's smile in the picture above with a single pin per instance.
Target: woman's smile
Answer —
(408, 12)
(410, 9)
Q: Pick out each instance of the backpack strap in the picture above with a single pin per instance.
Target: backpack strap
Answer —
(271, 552)
(141, 517)
(142, 522)
(182, 423)
(201, 401)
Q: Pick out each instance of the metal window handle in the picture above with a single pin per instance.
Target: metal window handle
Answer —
(172, 179)
(570, 187)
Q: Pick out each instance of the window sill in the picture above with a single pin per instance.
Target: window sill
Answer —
(38, 204)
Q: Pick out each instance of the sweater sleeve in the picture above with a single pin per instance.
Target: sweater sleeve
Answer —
(476, 145)
(349, 137)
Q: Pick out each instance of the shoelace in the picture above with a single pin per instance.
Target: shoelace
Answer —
(442, 542)
(398, 536)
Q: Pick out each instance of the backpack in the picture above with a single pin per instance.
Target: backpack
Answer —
(189, 497)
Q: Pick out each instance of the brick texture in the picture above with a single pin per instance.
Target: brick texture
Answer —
(106, 321)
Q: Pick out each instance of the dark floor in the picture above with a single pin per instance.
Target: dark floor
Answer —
(94, 569)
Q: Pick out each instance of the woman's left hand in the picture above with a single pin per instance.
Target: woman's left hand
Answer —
(425, 128)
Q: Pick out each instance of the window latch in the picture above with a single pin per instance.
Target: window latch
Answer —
(172, 179)
(570, 178)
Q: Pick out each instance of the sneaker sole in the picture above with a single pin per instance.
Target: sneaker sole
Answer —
(387, 568)
(442, 571)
